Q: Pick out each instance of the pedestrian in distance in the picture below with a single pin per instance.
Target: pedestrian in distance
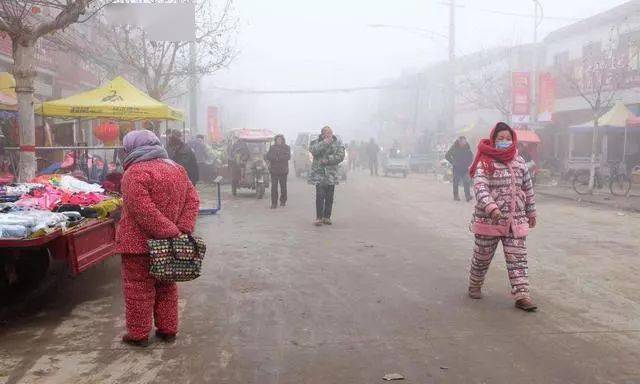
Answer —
(278, 157)
(160, 202)
(353, 155)
(373, 150)
(328, 152)
(182, 154)
(504, 212)
(460, 157)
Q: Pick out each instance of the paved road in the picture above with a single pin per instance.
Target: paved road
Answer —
(382, 291)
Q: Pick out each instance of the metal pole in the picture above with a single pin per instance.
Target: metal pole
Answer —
(452, 71)
(193, 88)
(537, 20)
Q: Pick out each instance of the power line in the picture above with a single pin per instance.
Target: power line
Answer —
(304, 91)
(514, 14)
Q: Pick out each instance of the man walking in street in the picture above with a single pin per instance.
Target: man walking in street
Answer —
(181, 153)
(328, 152)
(460, 157)
(373, 150)
(278, 157)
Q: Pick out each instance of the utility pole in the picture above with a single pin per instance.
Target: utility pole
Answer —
(537, 20)
(452, 67)
(193, 89)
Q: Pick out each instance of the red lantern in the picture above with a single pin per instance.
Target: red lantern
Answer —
(107, 132)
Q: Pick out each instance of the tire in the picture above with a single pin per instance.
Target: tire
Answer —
(260, 191)
(581, 183)
(620, 185)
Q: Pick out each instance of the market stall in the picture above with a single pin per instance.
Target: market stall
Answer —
(611, 136)
(71, 217)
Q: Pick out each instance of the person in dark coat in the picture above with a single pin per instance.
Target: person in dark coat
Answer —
(278, 157)
(373, 150)
(460, 157)
(182, 154)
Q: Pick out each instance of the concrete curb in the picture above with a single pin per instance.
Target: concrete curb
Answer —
(594, 202)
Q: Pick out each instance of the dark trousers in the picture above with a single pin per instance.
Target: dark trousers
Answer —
(324, 201)
(457, 176)
(275, 180)
(373, 166)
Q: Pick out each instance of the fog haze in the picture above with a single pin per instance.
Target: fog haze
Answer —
(298, 45)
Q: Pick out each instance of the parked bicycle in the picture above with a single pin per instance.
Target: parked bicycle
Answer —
(618, 180)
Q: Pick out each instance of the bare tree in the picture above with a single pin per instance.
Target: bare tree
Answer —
(162, 65)
(486, 81)
(488, 89)
(597, 78)
(25, 22)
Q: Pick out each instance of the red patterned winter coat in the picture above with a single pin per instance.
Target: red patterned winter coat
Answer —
(508, 189)
(160, 202)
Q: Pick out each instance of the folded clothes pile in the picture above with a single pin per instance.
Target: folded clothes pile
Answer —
(21, 224)
(51, 202)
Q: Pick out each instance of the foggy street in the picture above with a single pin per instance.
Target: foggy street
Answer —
(383, 290)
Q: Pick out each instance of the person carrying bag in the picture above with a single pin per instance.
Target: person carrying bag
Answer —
(155, 238)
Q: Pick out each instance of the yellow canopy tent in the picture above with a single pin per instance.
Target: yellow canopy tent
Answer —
(616, 117)
(117, 100)
(8, 99)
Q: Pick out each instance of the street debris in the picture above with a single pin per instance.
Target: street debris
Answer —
(393, 376)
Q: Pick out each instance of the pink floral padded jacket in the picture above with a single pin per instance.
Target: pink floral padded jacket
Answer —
(508, 189)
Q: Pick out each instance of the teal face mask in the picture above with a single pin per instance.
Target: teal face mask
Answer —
(504, 144)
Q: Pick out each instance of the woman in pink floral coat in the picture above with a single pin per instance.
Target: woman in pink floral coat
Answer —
(504, 212)
(160, 202)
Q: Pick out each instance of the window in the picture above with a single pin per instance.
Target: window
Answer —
(592, 50)
(561, 59)
(302, 140)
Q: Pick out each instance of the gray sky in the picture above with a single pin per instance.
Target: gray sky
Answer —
(296, 44)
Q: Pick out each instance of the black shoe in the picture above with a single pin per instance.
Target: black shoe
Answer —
(456, 198)
(166, 337)
(274, 206)
(469, 198)
(283, 204)
(127, 339)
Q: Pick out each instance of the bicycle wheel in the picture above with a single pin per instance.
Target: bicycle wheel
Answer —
(581, 183)
(620, 185)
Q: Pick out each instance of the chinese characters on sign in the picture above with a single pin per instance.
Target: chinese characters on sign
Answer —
(520, 97)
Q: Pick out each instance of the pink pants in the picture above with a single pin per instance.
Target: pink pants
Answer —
(515, 253)
(147, 299)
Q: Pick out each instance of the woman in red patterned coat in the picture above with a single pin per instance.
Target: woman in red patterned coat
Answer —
(505, 210)
(160, 202)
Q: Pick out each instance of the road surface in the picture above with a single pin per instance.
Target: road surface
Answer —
(382, 291)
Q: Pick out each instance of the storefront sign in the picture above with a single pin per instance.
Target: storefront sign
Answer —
(546, 97)
(520, 97)
(213, 124)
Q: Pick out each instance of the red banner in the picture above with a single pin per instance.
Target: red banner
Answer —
(546, 97)
(213, 124)
(520, 97)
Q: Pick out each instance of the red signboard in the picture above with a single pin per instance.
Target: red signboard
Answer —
(213, 124)
(520, 97)
(546, 97)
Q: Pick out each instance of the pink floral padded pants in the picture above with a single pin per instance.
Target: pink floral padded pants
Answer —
(147, 299)
(515, 253)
